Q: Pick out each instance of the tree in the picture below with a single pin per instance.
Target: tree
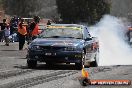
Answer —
(28, 8)
(21, 7)
(74, 11)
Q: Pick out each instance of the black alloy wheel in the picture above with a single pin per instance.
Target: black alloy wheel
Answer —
(31, 63)
(79, 65)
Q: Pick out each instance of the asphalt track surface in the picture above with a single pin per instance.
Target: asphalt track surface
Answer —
(15, 74)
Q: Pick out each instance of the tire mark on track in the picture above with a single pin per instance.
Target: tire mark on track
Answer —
(38, 80)
(11, 73)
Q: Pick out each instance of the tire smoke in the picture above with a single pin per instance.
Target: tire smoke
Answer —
(113, 46)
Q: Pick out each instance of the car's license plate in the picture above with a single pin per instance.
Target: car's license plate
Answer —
(48, 54)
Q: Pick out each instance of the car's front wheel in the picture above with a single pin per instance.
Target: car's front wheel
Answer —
(79, 65)
(31, 63)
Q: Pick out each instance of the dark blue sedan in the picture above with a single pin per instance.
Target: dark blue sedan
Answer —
(63, 43)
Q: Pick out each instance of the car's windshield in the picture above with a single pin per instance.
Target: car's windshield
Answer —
(66, 32)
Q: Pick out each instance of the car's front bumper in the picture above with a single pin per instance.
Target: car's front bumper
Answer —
(56, 57)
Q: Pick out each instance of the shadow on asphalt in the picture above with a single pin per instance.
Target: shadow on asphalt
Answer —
(50, 67)
(9, 50)
(22, 58)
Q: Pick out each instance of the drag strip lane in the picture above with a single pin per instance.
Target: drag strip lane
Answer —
(39, 79)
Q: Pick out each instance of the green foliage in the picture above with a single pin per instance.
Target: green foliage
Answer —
(29, 8)
(74, 11)
(21, 7)
(1, 3)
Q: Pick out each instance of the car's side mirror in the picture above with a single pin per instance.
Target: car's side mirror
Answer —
(88, 39)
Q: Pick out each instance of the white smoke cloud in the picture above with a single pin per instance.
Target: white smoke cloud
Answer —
(113, 47)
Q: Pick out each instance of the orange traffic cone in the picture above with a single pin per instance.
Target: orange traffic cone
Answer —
(86, 80)
(84, 73)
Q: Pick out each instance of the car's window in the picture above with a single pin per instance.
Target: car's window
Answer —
(86, 33)
(66, 32)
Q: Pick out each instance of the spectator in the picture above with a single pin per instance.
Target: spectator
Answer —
(48, 23)
(13, 27)
(14, 24)
(21, 34)
(28, 37)
(3, 25)
(34, 27)
(7, 34)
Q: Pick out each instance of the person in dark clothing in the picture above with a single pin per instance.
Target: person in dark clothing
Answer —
(48, 23)
(13, 27)
(28, 37)
(3, 25)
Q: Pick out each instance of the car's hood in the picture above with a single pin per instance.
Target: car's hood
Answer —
(57, 42)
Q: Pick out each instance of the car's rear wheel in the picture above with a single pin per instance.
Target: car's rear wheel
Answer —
(93, 64)
(31, 63)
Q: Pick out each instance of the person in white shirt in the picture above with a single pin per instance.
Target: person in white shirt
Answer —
(7, 34)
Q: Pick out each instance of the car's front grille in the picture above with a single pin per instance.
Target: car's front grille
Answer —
(52, 48)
